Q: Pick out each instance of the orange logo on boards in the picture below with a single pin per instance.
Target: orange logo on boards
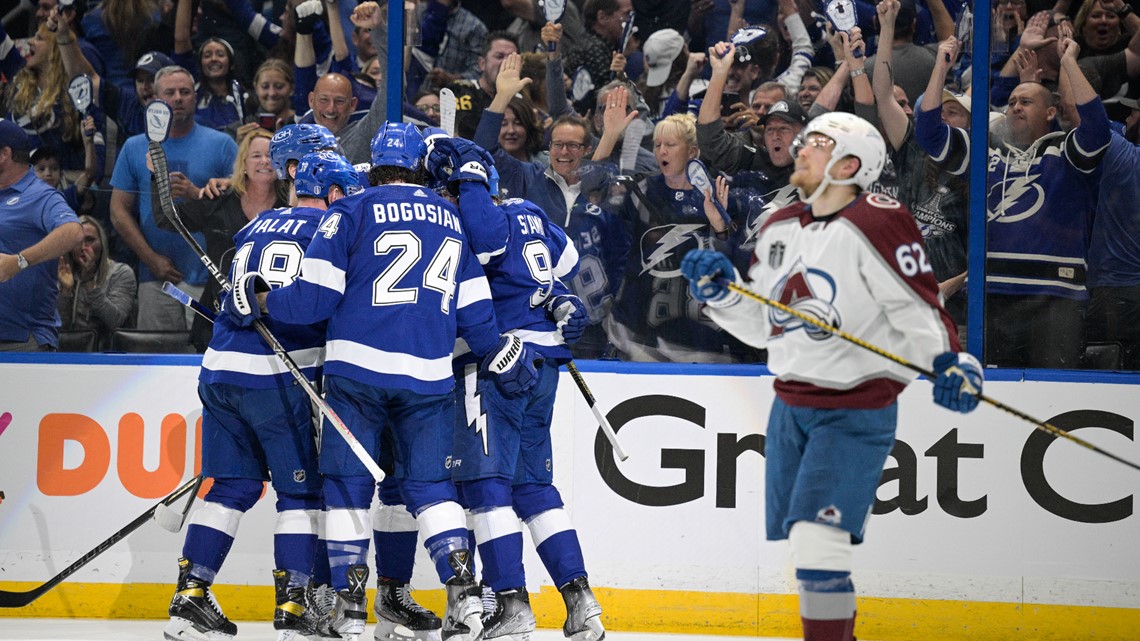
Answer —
(56, 430)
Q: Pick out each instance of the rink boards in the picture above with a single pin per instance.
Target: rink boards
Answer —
(985, 528)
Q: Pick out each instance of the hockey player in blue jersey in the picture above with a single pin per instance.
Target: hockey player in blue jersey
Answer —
(855, 261)
(291, 142)
(394, 529)
(257, 426)
(504, 442)
(392, 272)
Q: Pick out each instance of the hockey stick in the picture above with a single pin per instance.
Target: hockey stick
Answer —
(607, 429)
(1048, 428)
(172, 290)
(20, 599)
(173, 520)
(156, 132)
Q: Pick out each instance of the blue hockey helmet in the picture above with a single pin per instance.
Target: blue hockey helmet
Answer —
(398, 144)
(318, 172)
(293, 141)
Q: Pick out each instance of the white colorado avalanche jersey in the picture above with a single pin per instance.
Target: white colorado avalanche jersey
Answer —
(863, 270)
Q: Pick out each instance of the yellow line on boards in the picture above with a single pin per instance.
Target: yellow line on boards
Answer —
(728, 613)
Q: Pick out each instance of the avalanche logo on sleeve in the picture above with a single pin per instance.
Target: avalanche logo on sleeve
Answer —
(810, 292)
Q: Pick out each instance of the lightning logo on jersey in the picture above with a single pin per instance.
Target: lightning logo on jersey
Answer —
(810, 292)
(659, 248)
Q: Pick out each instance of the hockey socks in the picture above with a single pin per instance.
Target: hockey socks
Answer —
(499, 537)
(214, 525)
(394, 530)
(347, 525)
(557, 544)
(445, 532)
(827, 605)
(295, 537)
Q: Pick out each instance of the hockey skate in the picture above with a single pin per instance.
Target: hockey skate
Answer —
(194, 612)
(511, 619)
(293, 617)
(583, 614)
(321, 600)
(463, 619)
(351, 612)
(399, 617)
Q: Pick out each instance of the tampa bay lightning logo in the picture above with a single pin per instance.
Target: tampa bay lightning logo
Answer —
(810, 292)
(1015, 199)
(663, 247)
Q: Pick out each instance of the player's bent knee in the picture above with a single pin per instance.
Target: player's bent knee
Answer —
(486, 493)
(531, 499)
(348, 492)
(422, 494)
(820, 547)
(389, 491)
(236, 494)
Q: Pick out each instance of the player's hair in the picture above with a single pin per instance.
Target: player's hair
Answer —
(684, 126)
(386, 174)
(498, 35)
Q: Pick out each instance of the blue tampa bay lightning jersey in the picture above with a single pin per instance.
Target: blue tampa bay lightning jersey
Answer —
(655, 315)
(391, 269)
(526, 259)
(272, 244)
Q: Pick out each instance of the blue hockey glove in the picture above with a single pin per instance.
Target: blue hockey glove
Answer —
(700, 264)
(959, 381)
(241, 303)
(511, 365)
(570, 315)
(438, 161)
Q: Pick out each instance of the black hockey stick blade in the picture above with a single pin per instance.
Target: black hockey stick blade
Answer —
(1048, 428)
(20, 599)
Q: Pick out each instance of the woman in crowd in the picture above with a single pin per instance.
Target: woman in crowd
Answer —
(37, 100)
(520, 134)
(654, 318)
(1099, 29)
(811, 84)
(273, 92)
(95, 292)
(224, 209)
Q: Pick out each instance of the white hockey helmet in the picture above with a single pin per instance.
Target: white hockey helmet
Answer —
(853, 136)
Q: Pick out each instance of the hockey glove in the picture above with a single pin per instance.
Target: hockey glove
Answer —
(308, 14)
(959, 381)
(511, 365)
(570, 315)
(242, 304)
(706, 271)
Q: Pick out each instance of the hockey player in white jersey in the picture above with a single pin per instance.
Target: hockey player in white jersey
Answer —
(504, 443)
(257, 426)
(855, 261)
(391, 271)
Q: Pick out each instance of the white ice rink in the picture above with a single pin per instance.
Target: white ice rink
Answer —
(151, 630)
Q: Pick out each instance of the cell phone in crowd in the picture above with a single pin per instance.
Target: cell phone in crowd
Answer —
(267, 120)
(726, 103)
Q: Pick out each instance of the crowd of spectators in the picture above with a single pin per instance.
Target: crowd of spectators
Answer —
(595, 118)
